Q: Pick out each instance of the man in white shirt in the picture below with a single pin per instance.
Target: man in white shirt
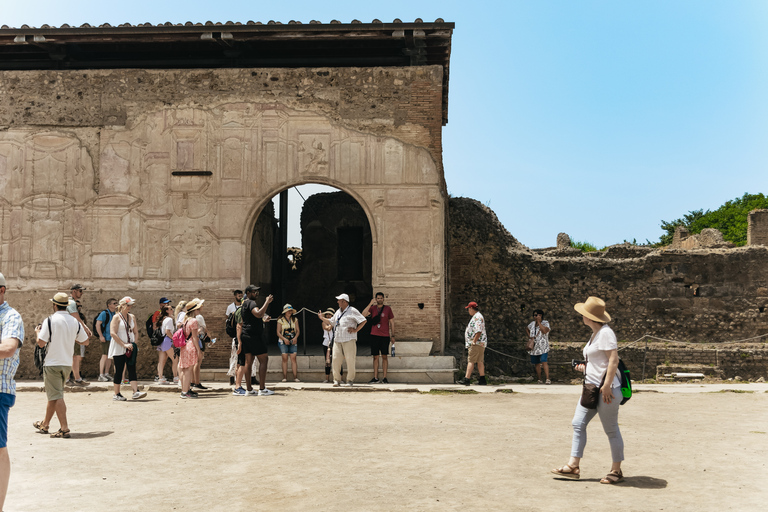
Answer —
(346, 323)
(233, 307)
(60, 332)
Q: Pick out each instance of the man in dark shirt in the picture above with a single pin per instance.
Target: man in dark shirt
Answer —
(252, 339)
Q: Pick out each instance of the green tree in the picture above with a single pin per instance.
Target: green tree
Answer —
(730, 219)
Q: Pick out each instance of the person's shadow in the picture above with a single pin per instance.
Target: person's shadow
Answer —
(90, 435)
(641, 482)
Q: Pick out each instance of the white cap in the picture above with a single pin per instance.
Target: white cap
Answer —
(343, 296)
(2, 280)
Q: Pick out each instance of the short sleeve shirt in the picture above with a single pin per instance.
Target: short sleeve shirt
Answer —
(106, 318)
(596, 354)
(476, 324)
(167, 325)
(381, 328)
(342, 321)
(61, 342)
(11, 326)
(72, 306)
(231, 309)
(541, 340)
(253, 327)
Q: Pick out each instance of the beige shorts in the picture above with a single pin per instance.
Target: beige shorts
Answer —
(54, 378)
(476, 353)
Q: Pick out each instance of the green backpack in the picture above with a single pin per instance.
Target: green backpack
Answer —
(626, 382)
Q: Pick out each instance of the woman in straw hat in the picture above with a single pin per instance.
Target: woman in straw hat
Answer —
(190, 353)
(124, 335)
(287, 340)
(602, 360)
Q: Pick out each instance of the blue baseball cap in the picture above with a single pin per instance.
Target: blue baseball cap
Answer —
(165, 301)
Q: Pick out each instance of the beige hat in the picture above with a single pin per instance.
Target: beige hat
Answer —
(194, 304)
(61, 299)
(329, 312)
(594, 309)
(127, 301)
(287, 308)
(2, 280)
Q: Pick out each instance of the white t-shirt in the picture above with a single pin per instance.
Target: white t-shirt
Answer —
(62, 344)
(327, 336)
(180, 318)
(231, 309)
(167, 326)
(201, 324)
(596, 354)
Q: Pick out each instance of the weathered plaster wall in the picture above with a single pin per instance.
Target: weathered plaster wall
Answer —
(711, 295)
(90, 190)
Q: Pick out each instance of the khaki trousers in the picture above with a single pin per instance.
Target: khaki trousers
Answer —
(342, 351)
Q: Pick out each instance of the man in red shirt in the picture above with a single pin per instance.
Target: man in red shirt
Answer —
(382, 333)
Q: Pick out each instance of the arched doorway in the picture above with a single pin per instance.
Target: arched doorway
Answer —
(305, 250)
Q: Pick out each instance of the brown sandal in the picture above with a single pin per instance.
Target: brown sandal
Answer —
(43, 429)
(612, 477)
(61, 433)
(571, 472)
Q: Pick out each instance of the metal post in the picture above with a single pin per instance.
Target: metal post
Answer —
(304, 330)
(645, 355)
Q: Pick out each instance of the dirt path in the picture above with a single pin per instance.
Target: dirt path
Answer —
(311, 450)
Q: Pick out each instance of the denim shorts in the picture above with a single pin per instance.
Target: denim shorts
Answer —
(288, 349)
(6, 402)
(539, 359)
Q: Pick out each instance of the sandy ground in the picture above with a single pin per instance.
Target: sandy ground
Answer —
(358, 451)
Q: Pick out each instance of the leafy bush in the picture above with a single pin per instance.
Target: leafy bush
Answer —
(583, 246)
(730, 219)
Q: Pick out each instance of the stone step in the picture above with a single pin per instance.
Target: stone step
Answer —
(405, 370)
(686, 371)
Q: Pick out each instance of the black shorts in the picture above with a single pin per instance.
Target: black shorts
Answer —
(379, 344)
(255, 346)
(241, 358)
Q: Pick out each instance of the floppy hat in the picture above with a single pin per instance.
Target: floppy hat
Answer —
(343, 296)
(472, 305)
(287, 308)
(329, 311)
(60, 299)
(127, 301)
(194, 304)
(594, 309)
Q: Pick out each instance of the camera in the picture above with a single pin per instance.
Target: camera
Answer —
(576, 362)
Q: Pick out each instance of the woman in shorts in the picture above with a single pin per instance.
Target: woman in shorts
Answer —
(165, 351)
(287, 339)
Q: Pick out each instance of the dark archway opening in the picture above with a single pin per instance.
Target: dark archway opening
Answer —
(335, 257)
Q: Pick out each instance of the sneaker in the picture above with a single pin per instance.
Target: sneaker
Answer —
(175, 380)
(266, 392)
(296, 380)
(539, 382)
(191, 394)
(163, 381)
(253, 392)
(70, 382)
(384, 381)
(481, 381)
(126, 381)
(464, 381)
(350, 383)
(548, 382)
(336, 384)
(184, 395)
(119, 398)
(109, 376)
(239, 392)
(157, 379)
(374, 381)
(81, 382)
(284, 380)
(103, 378)
(200, 386)
(139, 394)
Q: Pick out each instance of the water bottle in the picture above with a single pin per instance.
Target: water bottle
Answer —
(393, 350)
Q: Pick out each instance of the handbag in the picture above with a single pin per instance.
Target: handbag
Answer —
(590, 393)
(531, 341)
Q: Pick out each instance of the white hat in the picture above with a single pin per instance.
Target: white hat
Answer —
(127, 301)
(2, 280)
(343, 296)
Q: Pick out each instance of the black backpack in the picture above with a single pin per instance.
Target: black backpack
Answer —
(232, 324)
(93, 324)
(150, 327)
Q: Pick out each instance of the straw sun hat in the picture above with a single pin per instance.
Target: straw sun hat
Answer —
(288, 308)
(194, 304)
(594, 309)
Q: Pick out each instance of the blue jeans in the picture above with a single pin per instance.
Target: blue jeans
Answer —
(609, 417)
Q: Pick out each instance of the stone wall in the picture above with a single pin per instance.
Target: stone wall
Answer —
(757, 227)
(714, 295)
(150, 182)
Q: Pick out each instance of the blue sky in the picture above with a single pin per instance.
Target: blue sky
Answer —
(594, 118)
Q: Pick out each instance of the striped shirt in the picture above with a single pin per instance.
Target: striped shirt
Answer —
(11, 326)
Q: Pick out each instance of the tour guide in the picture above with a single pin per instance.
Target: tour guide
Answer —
(346, 323)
